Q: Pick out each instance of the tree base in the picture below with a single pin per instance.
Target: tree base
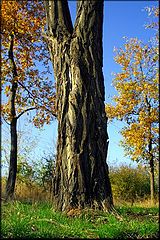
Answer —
(105, 205)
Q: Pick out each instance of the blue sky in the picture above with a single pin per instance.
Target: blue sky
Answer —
(121, 18)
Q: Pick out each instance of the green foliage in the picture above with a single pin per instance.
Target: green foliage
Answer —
(41, 221)
(34, 177)
(44, 171)
(40, 172)
(25, 172)
(130, 184)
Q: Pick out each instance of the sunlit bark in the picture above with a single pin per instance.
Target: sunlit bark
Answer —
(81, 171)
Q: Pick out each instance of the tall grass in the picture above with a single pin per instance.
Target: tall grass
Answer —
(27, 191)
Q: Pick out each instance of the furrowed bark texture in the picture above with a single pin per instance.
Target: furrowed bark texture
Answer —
(81, 171)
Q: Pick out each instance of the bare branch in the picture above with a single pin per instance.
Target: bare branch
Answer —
(6, 121)
(30, 94)
(36, 100)
(26, 110)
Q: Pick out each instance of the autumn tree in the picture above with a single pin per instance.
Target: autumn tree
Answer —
(24, 67)
(137, 100)
(76, 52)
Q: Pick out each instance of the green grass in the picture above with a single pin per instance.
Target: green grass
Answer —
(39, 220)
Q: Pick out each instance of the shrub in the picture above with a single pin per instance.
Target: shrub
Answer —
(129, 183)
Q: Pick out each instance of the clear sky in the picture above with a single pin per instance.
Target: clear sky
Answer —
(121, 18)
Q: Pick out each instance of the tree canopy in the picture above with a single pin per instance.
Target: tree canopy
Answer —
(22, 23)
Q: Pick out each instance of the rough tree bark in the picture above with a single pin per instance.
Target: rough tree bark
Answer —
(10, 186)
(82, 178)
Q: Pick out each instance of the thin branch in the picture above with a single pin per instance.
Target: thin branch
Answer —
(30, 94)
(6, 121)
(26, 110)
(37, 100)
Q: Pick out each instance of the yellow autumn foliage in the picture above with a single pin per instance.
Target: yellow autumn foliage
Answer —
(137, 102)
(23, 21)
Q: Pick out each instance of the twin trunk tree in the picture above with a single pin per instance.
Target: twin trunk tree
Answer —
(81, 171)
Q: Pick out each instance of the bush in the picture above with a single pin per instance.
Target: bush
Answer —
(129, 183)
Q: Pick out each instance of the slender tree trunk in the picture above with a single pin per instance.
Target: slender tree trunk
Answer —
(10, 186)
(152, 182)
(151, 157)
(81, 171)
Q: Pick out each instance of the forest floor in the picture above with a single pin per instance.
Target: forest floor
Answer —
(39, 220)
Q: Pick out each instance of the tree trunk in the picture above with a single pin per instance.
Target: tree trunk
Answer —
(152, 182)
(151, 157)
(10, 186)
(81, 171)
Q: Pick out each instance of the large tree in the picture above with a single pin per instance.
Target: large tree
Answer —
(82, 178)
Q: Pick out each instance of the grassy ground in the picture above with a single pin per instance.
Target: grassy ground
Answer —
(39, 220)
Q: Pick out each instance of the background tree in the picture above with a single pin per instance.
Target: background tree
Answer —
(137, 100)
(81, 171)
(24, 84)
